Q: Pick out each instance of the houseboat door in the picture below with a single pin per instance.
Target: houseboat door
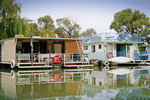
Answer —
(57, 48)
(121, 50)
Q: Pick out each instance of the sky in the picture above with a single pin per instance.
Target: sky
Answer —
(96, 14)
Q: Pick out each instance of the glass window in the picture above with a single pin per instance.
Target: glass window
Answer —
(93, 48)
(100, 46)
(85, 47)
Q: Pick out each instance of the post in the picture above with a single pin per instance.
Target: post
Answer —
(31, 41)
(32, 44)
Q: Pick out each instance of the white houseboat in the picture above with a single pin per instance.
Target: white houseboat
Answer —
(47, 52)
(109, 45)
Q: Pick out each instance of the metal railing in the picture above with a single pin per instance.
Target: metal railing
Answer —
(141, 55)
(44, 57)
(121, 54)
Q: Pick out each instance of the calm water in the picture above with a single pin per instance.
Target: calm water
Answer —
(76, 84)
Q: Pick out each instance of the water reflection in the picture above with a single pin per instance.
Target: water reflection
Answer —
(75, 84)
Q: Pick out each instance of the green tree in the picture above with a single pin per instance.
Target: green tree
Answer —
(129, 21)
(47, 33)
(13, 26)
(47, 26)
(46, 22)
(68, 27)
(60, 33)
(8, 11)
(88, 32)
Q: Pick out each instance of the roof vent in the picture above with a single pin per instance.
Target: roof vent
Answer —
(19, 35)
(36, 36)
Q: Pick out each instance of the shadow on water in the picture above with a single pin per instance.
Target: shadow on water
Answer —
(114, 83)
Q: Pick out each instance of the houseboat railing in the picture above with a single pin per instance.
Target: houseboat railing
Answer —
(121, 54)
(141, 55)
(48, 57)
(40, 76)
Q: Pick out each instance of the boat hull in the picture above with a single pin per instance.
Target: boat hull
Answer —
(120, 60)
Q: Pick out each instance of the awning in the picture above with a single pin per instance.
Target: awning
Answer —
(123, 33)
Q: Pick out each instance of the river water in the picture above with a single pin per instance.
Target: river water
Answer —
(94, 83)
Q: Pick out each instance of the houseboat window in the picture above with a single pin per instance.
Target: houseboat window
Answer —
(100, 83)
(26, 47)
(93, 48)
(93, 81)
(100, 46)
(43, 47)
(85, 47)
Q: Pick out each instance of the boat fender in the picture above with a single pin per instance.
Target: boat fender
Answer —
(106, 63)
(12, 73)
(12, 64)
(106, 67)
(110, 55)
(54, 60)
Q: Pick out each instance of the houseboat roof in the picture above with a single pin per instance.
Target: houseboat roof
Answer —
(41, 38)
(120, 38)
(120, 42)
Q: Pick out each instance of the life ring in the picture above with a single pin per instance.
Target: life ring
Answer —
(110, 55)
(12, 64)
(59, 59)
(110, 75)
(106, 63)
(54, 76)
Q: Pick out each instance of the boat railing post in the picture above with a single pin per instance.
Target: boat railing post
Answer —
(64, 58)
(72, 57)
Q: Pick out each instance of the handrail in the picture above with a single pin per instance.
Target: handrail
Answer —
(42, 57)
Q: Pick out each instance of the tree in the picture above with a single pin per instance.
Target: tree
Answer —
(60, 33)
(46, 22)
(90, 31)
(47, 33)
(13, 26)
(47, 26)
(8, 14)
(129, 21)
(146, 35)
(68, 27)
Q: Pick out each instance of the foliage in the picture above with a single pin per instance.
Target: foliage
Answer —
(46, 22)
(129, 21)
(59, 33)
(68, 27)
(47, 33)
(146, 35)
(90, 31)
(9, 18)
(47, 26)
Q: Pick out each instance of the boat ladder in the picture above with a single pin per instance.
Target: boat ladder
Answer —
(79, 91)
(79, 44)
(80, 48)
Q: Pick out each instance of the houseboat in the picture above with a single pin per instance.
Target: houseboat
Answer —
(104, 46)
(46, 52)
(42, 84)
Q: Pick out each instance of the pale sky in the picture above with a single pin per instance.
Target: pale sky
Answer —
(97, 14)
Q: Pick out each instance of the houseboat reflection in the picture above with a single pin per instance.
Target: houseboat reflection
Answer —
(75, 84)
(30, 84)
(122, 83)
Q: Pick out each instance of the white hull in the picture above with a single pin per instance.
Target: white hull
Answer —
(120, 60)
